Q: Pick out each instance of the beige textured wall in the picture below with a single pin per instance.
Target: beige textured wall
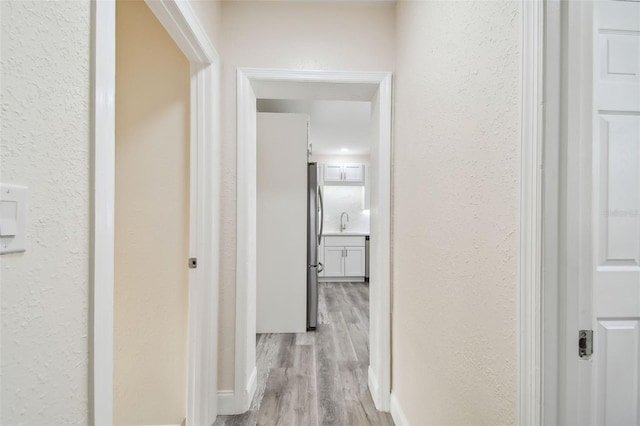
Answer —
(45, 145)
(285, 34)
(209, 13)
(455, 209)
(152, 220)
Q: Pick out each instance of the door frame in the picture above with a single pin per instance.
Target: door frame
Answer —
(559, 123)
(248, 82)
(538, 212)
(530, 221)
(181, 23)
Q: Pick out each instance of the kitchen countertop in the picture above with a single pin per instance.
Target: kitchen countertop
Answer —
(345, 234)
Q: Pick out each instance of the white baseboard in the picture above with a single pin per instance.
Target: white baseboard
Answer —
(396, 412)
(226, 403)
(250, 390)
(372, 381)
(232, 403)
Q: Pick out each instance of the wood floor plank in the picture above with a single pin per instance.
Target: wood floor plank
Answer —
(360, 342)
(344, 350)
(331, 410)
(358, 306)
(286, 352)
(305, 339)
(323, 314)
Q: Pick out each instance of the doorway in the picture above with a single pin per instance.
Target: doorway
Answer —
(282, 84)
(179, 21)
(297, 369)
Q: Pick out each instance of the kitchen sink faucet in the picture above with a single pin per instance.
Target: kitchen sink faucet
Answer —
(343, 225)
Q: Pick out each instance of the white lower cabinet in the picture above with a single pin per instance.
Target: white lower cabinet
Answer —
(354, 262)
(334, 261)
(344, 256)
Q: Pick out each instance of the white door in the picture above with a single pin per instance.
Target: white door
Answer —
(281, 272)
(607, 386)
(334, 261)
(354, 262)
(333, 172)
(353, 173)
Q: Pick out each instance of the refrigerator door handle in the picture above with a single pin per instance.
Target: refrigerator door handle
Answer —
(321, 267)
(321, 215)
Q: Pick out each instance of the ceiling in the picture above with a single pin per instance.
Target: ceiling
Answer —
(334, 125)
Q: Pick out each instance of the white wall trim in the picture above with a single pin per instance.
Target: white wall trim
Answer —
(250, 390)
(230, 402)
(102, 209)
(530, 223)
(397, 414)
(181, 23)
(226, 401)
(551, 215)
(249, 80)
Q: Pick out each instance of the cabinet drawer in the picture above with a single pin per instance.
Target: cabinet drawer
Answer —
(352, 241)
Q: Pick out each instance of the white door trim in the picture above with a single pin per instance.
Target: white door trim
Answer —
(245, 371)
(529, 294)
(182, 25)
(101, 273)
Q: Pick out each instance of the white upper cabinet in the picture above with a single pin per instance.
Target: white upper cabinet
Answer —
(350, 173)
(333, 173)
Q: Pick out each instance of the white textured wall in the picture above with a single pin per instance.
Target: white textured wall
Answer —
(45, 145)
(209, 13)
(151, 221)
(455, 209)
(297, 35)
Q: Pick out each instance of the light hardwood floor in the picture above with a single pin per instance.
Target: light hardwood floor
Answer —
(317, 378)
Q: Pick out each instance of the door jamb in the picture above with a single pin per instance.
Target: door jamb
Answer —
(181, 23)
(379, 374)
(529, 265)
(538, 211)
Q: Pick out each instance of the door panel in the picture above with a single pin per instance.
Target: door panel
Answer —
(334, 261)
(333, 172)
(354, 262)
(619, 185)
(617, 392)
(353, 173)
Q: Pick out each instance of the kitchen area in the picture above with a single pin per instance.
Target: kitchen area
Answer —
(343, 249)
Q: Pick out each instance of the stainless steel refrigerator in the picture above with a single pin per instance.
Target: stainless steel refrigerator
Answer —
(315, 221)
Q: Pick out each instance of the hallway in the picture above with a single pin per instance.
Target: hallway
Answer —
(318, 377)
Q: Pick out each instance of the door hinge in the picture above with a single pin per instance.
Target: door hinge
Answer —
(193, 262)
(585, 344)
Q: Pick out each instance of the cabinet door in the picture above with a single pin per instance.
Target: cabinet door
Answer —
(354, 262)
(333, 172)
(334, 261)
(353, 173)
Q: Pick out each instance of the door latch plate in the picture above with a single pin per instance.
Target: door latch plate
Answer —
(585, 344)
(193, 263)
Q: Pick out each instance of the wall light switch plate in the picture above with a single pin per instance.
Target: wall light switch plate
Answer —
(13, 218)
